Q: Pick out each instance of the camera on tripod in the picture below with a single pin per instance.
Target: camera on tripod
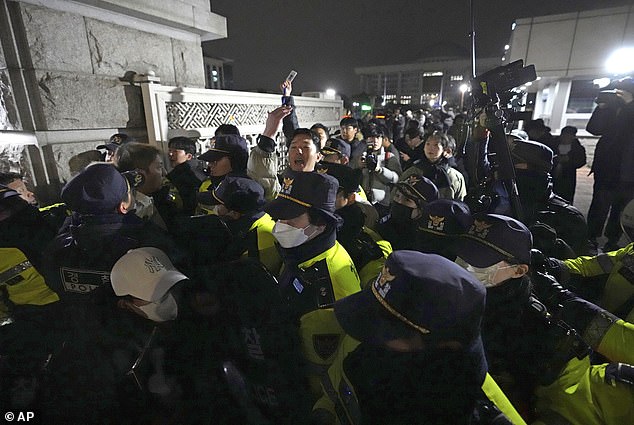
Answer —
(496, 84)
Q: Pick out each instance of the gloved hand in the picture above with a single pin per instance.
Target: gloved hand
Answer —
(549, 291)
(544, 264)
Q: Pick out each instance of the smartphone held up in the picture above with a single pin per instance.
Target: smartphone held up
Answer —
(291, 76)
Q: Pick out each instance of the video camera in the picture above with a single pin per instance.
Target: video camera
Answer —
(496, 84)
(493, 94)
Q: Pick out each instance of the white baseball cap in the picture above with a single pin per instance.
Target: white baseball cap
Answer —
(146, 273)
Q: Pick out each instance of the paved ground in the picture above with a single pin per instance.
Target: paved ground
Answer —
(583, 194)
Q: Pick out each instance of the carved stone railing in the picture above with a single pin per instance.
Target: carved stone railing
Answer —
(172, 111)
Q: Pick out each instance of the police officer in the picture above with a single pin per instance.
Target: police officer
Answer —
(54, 214)
(239, 202)
(28, 307)
(337, 151)
(555, 366)
(317, 270)
(114, 142)
(15, 181)
(414, 352)
(410, 195)
(184, 176)
(103, 228)
(77, 266)
(366, 247)
(442, 221)
(228, 156)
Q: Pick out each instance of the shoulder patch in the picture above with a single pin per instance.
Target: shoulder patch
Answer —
(325, 345)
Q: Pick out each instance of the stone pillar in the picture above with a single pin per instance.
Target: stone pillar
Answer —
(560, 103)
(67, 74)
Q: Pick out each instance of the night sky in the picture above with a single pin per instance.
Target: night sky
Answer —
(324, 40)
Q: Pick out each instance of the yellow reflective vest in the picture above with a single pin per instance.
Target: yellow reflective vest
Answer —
(22, 282)
(319, 331)
(339, 401)
(266, 249)
(618, 266)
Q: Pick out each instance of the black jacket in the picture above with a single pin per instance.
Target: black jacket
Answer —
(93, 244)
(614, 153)
(429, 387)
(187, 180)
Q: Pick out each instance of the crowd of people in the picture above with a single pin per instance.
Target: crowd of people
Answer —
(377, 274)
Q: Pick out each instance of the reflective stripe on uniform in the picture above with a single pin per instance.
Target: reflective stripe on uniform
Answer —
(605, 262)
(494, 393)
(597, 328)
(333, 396)
(7, 275)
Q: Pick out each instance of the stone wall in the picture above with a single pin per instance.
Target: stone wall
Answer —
(8, 112)
(73, 76)
(11, 155)
(83, 68)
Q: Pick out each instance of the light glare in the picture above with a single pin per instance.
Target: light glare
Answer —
(621, 61)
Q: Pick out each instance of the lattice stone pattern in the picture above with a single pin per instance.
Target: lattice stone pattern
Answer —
(187, 115)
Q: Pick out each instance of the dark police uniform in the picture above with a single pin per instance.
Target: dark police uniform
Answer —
(369, 383)
(77, 267)
(316, 273)
(235, 148)
(398, 227)
(367, 249)
(28, 307)
(185, 180)
(252, 230)
(555, 366)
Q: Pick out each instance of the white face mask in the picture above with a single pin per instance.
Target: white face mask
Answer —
(162, 312)
(289, 236)
(486, 275)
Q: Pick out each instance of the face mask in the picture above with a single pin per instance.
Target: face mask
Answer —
(401, 213)
(162, 312)
(486, 275)
(289, 236)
